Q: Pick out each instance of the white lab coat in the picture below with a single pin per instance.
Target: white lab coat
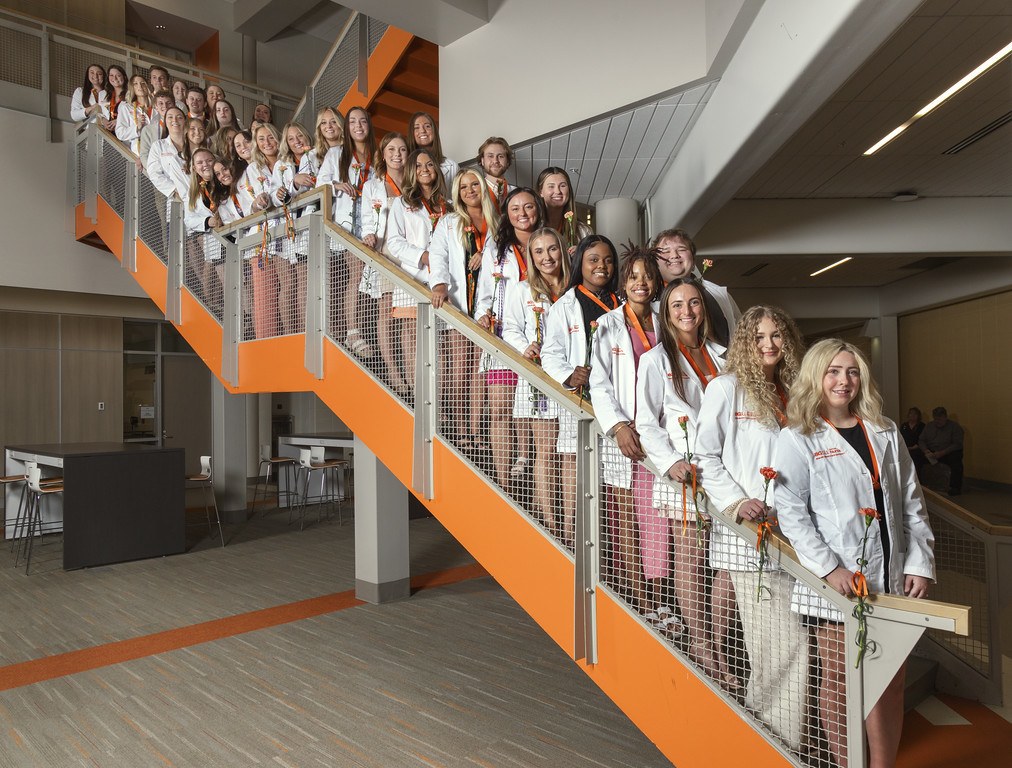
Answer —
(449, 169)
(726, 304)
(823, 483)
(257, 180)
(447, 259)
(613, 389)
(283, 178)
(731, 447)
(658, 411)
(375, 222)
(524, 320)
(78, 104)
(195, 221)
(129, 120)
(408, 233)
(342, 206)
(165, 169)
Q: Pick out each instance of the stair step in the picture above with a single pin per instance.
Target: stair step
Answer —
(920, 681)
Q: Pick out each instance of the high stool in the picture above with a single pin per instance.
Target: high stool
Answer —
(281, 462)
(312, 460)
(205, 479)
(21, 520)
(36, 491)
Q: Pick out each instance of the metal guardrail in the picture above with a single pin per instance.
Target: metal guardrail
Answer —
(326, 258)
(46, 62)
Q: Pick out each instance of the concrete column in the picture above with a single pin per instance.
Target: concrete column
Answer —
(617, 218)
(249, 61)
(231, 431)
(889, 367)
(382, 559)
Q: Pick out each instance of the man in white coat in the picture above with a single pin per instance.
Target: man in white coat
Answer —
(676, 257)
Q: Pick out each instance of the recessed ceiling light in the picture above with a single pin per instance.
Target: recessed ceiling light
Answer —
(834, 264)
(941, 98)
(159, 26)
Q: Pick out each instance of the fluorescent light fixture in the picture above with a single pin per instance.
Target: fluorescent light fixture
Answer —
(834, 264)
(937, 101)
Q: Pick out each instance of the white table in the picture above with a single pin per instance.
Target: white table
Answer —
(336, 446)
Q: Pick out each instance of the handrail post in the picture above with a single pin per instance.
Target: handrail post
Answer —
(855, 693)
(587, 542)
(316, 294)
(94, 149)
(130, 215)
(174, 285)
(47, 97)
(231, 319)
(426, 396)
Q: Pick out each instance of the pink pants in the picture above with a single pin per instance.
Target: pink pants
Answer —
(654, 529)
(265, 298)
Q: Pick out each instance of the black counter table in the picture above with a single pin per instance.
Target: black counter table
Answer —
(121, 501)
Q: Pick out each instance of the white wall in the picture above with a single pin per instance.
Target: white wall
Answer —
(39, 250)
(539, 66)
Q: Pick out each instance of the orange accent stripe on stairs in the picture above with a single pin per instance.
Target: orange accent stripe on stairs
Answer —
(86, 659)
(955, 746)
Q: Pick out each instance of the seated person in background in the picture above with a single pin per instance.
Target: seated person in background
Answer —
(911, 430)
(676, 257)
(942, 440)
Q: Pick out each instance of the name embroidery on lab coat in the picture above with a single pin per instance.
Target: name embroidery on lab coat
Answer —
(744, 416)
(574, 329)
(617, 351)
(828, 453)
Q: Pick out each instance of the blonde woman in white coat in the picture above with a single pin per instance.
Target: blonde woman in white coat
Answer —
(838, 457)
(567, 352)
(527, 305)
(672, 378)
(624, 335)
(378, 197)
(287, 183)
(413, 216)
(454, 268)
(739, 422)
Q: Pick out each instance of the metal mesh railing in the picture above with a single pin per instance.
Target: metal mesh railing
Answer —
(19, 52)
(112, 171)
(152, 218)
(962, 577)
(274, 283)
(204, 271)
(80, 170)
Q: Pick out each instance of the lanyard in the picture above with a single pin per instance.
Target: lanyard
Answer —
(235, 202)
(781, 413)
(593, 298)
(699, 371)
(876, 483)
(393, 184)
(433, 216)
(363, 173)
(634, 323)
(521, 261)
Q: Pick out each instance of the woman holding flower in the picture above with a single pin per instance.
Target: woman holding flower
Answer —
(455, 265)
(740, 419)
(556, 190)
(378, 196)
(672, 378)
(849, 501)
(624, 335)
(567, 351)
(527, 305)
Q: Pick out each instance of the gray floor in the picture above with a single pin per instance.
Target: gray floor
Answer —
(455, 676)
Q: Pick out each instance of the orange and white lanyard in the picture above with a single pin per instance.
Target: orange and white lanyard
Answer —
(634, 323)
(593, 298)
(876, 483)
(393, 184)
(521, 261)
(699, 371)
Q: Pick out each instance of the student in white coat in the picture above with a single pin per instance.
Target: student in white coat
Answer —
(413, 216)
(91, 100)
(556, 190)
(134, 114)
(672, 378)
(504, 263)
(526, 308)
(495, 157)
(624, 335)
(378, 196)
(204, 257)
(165, 159)
(676, 257)
(347, 168)
(423, 133)
(838, 457)
(287, 183)
(741, 416)
(567, 352)
(455, 265)
(155, 129)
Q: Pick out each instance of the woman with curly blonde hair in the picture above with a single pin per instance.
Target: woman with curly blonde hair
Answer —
(739, 422)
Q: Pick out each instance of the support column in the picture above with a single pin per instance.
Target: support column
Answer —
(230, 427)
(618, 218)
(382, 558)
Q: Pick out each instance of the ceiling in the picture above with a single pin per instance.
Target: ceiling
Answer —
(178, 33)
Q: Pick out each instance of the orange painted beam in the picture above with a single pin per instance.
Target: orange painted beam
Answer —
(384, 59)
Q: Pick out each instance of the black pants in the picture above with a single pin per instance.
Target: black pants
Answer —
(954, 461)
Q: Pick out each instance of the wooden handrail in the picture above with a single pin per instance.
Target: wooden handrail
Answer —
(967, 516)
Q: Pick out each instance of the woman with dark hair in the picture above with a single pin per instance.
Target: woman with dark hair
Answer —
(203, 252)
(347, 168)
(222, 116)
(740, 420)
(116, 90)
(624, 335)
(504, 263)
(241, 154)
(165, 164)
(556, 191)
(91, 100)
(568, 349)
(196, 138)
(413, 216)
(911, 430)
(527, 306)
(849, 501)
(672, 378)
(423, 133)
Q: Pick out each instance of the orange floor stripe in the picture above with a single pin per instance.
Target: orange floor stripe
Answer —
(73, 662)
(956, 746)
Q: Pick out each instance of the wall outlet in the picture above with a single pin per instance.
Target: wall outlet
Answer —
(101, 406)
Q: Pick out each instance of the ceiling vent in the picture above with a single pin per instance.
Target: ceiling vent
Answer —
(976, 136)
